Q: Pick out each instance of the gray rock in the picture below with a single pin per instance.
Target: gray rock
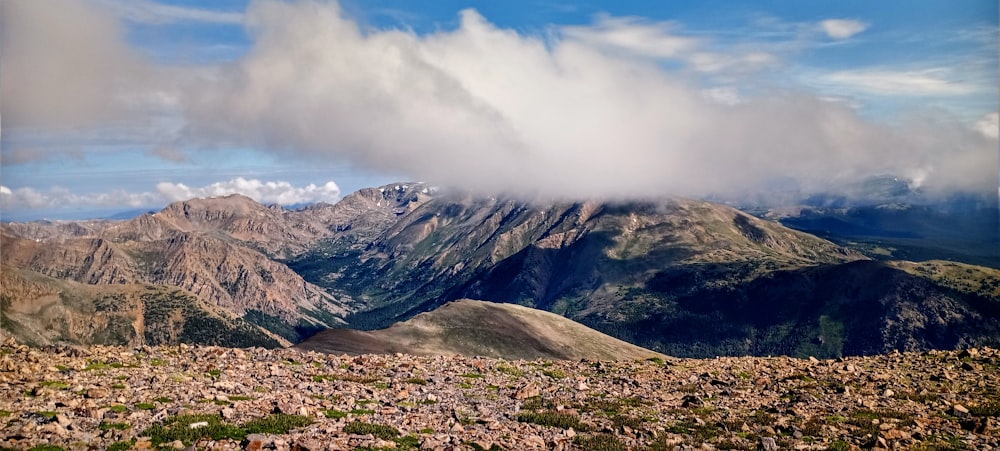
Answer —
(767, 444)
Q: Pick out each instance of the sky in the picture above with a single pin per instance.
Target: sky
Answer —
(115, 105)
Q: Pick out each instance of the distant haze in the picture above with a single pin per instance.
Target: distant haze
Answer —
(583, 112)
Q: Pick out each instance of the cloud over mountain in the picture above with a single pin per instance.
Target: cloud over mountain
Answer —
(267, 192)
(620, 107)
(569, 115)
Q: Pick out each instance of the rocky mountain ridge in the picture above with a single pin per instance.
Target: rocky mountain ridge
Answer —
(682, 277)
(676, 276)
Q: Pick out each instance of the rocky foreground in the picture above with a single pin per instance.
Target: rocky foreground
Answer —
(185, 397)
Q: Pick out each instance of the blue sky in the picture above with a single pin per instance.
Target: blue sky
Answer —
(111, 105)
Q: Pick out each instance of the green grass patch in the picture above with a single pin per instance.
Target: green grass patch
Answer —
(555, 374)
(553, 419)
(800, 377)
(48, 415)
(762, 418)
(360, 379)
(476, 447)
(118, 386)
(98, 366)
(145, 406)
(104, 426)
(58, 385)
(382, 431)
(276, 423)
(46, 448)
(416, 381)
(362, 411)
(508, 370)
(838, 445)
(118, 408)
(121, 446)
(472, 376)
(334, 413)
(628, 420)
(407, 442)
(240, 398)
(211, 426)
(179, 428)
(989, 408)
(599, 442)
(611, 407)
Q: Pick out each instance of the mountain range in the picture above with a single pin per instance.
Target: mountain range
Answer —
(677, 276)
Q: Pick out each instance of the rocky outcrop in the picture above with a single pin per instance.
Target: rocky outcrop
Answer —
(149, 397)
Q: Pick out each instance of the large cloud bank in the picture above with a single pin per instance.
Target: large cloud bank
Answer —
(620, 108)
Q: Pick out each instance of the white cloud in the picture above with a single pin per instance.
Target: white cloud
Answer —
(742, 63)
(279, 192)
(150, 12)
(65, 64)
(726, 95)
(589, 111)
(494, 110)
(268, 192)
(989, 125)
(634, 36)
(937, 81)
(842, 28)
(33, 199)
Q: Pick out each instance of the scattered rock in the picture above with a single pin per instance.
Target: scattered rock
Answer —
(460, 402)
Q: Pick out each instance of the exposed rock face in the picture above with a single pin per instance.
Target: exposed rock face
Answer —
(43, 311)
(128, 398)
(211, 248)
(476, 328)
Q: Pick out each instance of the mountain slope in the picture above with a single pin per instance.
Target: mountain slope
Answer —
(211, 248)
(476, 328)
(858, 308)
(41, 310)
(678, 276)
(454, 246)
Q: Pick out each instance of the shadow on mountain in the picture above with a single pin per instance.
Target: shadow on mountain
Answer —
(857, 308)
